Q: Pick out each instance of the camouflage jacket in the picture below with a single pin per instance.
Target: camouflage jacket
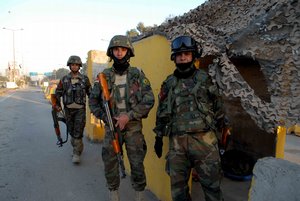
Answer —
(188, 105)
(139, 98)
(73, 93)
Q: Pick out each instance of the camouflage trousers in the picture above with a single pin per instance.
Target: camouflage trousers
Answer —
(76, 122)
(198, 151)
(136, 149)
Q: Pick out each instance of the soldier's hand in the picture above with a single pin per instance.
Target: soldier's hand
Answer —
(158, 146)
(122, 120)
(56, 108)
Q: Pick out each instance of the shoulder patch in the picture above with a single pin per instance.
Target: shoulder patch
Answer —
(146, 81)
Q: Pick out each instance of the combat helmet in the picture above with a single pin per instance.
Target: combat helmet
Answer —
(120, 41)
(74, 60)
(184, 44)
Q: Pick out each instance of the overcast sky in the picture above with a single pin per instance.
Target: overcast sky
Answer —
(55, 29)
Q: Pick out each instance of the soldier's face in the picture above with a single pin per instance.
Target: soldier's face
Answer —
(75, 67)
(119, 52)
(183, 57)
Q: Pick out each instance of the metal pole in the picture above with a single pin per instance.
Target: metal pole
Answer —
(14, 55)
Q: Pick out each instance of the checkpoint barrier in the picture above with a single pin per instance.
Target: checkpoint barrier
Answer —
(157, 66)
(94, 129)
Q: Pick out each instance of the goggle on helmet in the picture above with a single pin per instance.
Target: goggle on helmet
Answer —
(184, 44)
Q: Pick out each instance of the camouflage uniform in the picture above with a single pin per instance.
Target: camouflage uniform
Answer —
(138, 101)
(187, 113)
(74, 91)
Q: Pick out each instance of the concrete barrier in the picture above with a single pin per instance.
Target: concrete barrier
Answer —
(94, 130)
(152, 55)
(275, 180)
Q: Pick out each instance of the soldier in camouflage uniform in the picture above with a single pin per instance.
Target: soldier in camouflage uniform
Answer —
(73, 89)
(132, 99)
(189, 106)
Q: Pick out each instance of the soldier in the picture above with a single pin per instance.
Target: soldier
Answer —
(132, 99)
(73, 89)
(189, 104)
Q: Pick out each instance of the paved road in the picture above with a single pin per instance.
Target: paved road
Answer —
(33, 168)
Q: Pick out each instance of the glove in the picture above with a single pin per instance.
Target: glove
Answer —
(158, 146)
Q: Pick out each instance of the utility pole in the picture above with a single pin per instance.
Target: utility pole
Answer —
(14, 55)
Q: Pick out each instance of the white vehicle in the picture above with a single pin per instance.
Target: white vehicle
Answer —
(11, 85)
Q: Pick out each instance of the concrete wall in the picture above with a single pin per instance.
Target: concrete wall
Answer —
(152, 55)
(94, 130)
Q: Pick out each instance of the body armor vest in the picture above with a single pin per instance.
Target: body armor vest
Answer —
(129, 84)
(187, 117)
(75, 94)
(190, 105)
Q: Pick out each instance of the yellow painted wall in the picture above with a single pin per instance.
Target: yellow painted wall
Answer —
(152, 55)
(93, 130)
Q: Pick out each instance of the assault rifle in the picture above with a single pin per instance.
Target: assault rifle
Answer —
(114, 132)
(58, 116)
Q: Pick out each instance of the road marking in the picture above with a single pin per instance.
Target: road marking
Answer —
(24, 99)
(5, 97)
(28, 100)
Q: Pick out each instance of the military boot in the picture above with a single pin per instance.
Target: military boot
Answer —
(139, 196)
(114, 195)
(76, 159)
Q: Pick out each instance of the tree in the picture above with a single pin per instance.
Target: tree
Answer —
(3, 78)
(144, 29)
(27, 79)
(141, 27)
(45, 79)
(61, 72)
(132, 33)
